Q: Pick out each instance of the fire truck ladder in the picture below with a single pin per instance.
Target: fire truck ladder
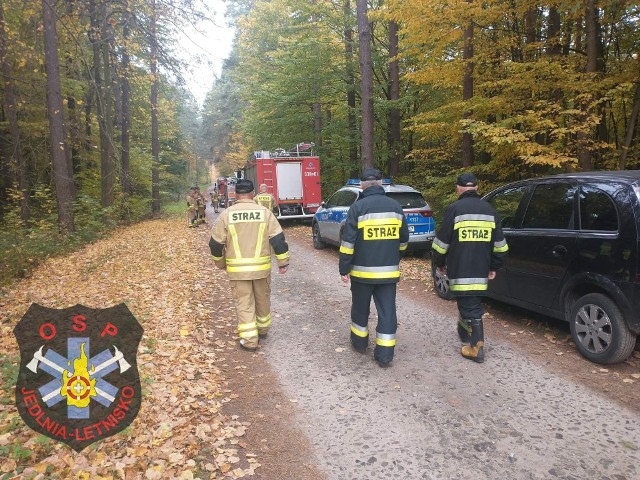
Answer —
(268, 173)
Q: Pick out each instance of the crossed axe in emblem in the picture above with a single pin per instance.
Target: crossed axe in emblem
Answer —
(39, 358)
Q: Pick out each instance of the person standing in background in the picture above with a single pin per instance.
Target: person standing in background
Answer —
(192, 208)
(215, 201)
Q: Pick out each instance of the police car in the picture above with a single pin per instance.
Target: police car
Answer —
(330, 218)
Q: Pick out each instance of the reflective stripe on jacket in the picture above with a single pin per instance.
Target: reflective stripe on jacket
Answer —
(242, 238)
(471, 244)
(374, 235)
(266, 200)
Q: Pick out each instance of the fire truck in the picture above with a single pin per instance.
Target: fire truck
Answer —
(226, 191)
(292, 177)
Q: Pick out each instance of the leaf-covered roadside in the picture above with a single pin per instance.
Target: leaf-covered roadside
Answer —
(155, 268)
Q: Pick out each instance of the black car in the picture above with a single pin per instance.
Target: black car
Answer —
(573, 254)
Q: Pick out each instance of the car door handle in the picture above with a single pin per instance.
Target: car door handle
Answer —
(559, 251)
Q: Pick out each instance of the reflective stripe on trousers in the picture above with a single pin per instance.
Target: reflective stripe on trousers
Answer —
(263, 323)
(384, 297)
(253, 305)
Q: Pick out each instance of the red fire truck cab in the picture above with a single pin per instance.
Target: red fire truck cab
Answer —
(292, 177)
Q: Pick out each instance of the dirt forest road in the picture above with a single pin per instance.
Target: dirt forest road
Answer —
(432, 415)
(305, 406)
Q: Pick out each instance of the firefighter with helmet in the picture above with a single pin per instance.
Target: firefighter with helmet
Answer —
(241, 241)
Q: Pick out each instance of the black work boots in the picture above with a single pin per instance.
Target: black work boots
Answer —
(475, 350)
(464, 330)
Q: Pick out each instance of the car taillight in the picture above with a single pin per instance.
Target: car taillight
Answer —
(427, 213)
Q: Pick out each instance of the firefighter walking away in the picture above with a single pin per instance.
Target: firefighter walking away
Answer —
(241, 242)
(374, 238)
(264, 198)
(469, 248)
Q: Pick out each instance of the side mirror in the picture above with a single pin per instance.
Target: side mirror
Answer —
(323, 205)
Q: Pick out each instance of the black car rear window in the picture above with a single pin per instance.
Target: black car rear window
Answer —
(408, 199)
(597, 210)
(551, 206)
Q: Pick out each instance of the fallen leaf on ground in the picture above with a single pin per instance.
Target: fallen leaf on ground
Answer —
(145, 266)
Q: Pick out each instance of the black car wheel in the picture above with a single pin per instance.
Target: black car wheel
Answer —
(440, 283)
(599, 330)
(318, 243)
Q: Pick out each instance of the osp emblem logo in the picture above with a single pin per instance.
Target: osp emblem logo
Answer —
(78, 381)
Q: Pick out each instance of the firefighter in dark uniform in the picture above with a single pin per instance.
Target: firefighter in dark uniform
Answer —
(374, 237)
(241, 241)
(469, 247)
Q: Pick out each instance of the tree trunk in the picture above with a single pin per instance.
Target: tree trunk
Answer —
(317, 123)
(351, 86)
(317, 106)
(631, 128)
(530, 25)
(6, 172)
(595, 64)
(74, 135)
(62, 173)
(366, 86)
(106, 144)
(115, 83)
(553, 44)
(395, 147)
(467, 91)
(530, 31)
(602, 132)
(96, 38)
(595, 60)
(12, 114)
(88, 106)
(155, 141)
(579, 32)
(553, 48)
(125, 135)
